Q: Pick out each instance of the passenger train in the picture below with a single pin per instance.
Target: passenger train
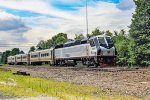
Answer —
(95, 51)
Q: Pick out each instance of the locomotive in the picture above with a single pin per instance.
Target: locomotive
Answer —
(95, 51)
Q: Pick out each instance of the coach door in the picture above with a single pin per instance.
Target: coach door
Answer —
(39, 56)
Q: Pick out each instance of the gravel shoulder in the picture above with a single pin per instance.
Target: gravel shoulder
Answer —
(126, 82)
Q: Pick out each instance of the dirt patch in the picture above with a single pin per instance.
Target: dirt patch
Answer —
(21, 73)
(127, 82)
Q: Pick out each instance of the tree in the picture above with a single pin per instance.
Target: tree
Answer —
(49, 43)
(1, 57)
(14, 51)
(21, 52)
(41, 45)
(109, 33)
(96, 32)
(122, 32)
(4, 56)
(79, 36)
(32, 49)
(140, 34)
(116, 33)
(58, 39)
(121, 42)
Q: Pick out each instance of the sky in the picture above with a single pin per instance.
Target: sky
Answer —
(23, 23)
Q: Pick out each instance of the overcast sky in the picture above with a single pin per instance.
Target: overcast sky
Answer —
(24, 23)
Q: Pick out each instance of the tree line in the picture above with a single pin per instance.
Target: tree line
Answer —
(133, 48)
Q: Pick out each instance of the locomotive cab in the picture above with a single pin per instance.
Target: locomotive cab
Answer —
(103, 49)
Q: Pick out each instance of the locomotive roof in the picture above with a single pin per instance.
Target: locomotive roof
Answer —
(85, 39)
(70, 42)
(10, 56)
(18, 55)
(73, 41)
(41, 50)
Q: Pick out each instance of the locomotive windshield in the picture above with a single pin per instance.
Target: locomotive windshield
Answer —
(102, 42)
(109, 41)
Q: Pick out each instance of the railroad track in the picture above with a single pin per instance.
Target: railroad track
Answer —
(109, 69)
(77, 68)
(106, 69)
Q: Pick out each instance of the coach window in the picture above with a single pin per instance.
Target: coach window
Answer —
(24, 57)
(92, 43)
(18, 58)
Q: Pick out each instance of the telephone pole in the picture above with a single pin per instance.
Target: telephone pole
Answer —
(87, 26)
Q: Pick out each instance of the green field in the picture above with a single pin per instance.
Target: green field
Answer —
(27, 86)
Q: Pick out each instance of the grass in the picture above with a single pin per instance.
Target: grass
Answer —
(27, 86)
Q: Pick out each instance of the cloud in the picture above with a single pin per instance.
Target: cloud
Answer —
(36, 6)
(126, 5)
(104, 15)
(12, 30)
(99, 16)
(9, 22)
(9, 40)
